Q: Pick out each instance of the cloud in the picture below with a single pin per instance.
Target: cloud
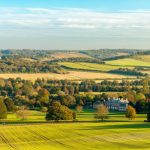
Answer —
(74, 18)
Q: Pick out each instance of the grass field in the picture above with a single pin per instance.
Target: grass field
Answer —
(145, 58)
(118, 133)
(129, 62)
(90, 66)
(72, 75)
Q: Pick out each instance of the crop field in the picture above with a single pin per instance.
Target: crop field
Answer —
(90, 66)
(121, 134)
(128, 62)
(72, 75)
(69, 55)
(145, 58)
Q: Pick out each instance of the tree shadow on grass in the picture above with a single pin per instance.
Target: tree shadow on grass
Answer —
(120, 126)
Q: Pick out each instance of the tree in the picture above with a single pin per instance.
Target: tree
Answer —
(23, 113)
(130, 112)
(140, 96)
(146, 89)
(43, 96)
(71, 90)
(9, 104)
(102, 112)
(148, 116)
(2, 82)
(79, 108)
(59, 112)
(3, 110)
(130, 96)
(68, 100)
(148, 112)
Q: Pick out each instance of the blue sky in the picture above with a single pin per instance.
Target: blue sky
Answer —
(74, 24)
(110, 5)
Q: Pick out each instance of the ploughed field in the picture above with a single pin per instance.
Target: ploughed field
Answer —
(115, 134)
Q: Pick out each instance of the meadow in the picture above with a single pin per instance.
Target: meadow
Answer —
(116, 133)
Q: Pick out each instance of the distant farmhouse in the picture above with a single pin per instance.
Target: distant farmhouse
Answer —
(114, 104)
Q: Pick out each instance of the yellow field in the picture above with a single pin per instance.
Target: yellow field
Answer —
(69, 55)
(72, 75)
(145, 58)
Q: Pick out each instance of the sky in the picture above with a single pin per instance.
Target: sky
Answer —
(74, 24)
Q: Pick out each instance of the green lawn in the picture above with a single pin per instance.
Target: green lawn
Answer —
(86, 115)
(115, 134)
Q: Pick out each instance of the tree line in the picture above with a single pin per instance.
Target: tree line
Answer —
(29, 66)
(16, 93)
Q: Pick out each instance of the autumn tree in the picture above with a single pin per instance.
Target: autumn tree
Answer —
(3, 110)
(9, 104)
(59, 112)
(23, 113)
(131, 96)
(43, 95)
(148, 112)
(146, 89)
(102, 112)
(79, 108)
(130, 112)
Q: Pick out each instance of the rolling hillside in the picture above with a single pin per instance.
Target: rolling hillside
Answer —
(140, 60)
(89, 66)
